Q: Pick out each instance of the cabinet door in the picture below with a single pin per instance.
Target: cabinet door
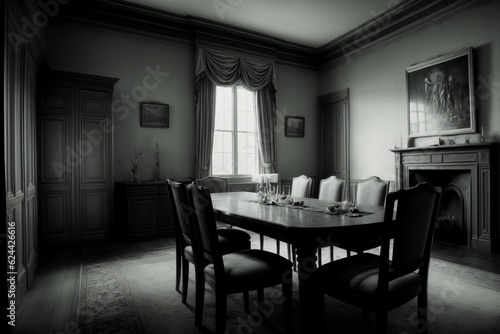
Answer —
(143, 215)
(56, 165)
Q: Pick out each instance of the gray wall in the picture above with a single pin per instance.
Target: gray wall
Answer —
(92, 50)
(376, 79)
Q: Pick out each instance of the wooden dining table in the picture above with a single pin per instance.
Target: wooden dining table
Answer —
(306, 227)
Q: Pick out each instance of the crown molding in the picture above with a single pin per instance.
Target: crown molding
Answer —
(138, 19)
(396, 21)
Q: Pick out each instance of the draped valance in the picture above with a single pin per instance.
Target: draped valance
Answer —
(225, 69)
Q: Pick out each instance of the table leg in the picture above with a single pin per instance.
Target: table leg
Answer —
(306, 258)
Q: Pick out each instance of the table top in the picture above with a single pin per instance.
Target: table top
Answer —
(311, 216)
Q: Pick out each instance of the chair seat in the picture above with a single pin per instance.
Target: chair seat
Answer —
(253, 269)
(232, 240)
(355, 279)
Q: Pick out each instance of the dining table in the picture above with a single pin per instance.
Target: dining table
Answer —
(306, 224)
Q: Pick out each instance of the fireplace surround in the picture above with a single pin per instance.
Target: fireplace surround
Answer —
(464, 173)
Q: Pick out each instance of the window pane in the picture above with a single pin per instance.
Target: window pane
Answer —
(223, 156)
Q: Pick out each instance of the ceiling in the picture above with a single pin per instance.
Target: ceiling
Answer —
(310, 23)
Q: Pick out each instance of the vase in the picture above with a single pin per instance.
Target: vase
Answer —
(135, 173)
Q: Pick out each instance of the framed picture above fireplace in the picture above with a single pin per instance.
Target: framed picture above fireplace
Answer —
(440, 96)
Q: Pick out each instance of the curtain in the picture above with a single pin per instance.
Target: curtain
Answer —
(216, 67)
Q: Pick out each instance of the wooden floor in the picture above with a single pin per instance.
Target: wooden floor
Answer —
(51, 305)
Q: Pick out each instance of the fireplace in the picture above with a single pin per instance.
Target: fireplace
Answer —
(463, 173)
(453, 221)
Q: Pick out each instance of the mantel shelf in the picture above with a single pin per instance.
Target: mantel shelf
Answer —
(443, 147)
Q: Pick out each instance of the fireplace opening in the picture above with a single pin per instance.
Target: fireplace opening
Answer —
(452, 223)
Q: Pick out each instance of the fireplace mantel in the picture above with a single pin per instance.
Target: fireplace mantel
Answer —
(475, 158)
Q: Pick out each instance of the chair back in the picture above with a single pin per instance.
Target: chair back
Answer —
(180, 211)
(302, 186)
(371, 191)
(413, 227)
(330, 189)
(204, 227)
(214, 184)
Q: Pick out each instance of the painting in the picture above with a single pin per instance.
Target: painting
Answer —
(154, 115)
(294, 126)
(440, 95)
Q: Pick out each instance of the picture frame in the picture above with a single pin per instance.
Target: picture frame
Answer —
(440, 96)
(154, 115)
(294, 126)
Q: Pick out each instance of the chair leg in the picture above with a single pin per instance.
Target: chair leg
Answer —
(200, 297)
(331, 254)
(294, 259)
(319, 256)
(381, 322)
(246, 302)
(185, 279)
(348, 253)
(178, 268)
(287, 306)
(422, 311)
(277, 247)
(220, 312)
(261, 241)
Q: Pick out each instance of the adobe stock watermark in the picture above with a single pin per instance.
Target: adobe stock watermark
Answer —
(451, 291)
(264, 309)
(224, 6)
(94, 138)
(31, 27)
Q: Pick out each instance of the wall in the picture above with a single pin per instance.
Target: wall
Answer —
(376, 79)
(134, 59)
(297, 96)
(81, 48)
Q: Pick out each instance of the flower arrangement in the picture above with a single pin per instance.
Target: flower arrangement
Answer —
(134, 155)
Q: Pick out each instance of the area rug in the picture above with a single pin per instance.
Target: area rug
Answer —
(135, 293)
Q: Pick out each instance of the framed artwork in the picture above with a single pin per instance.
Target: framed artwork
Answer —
(440, 95)
(294, 126)
(154, 115)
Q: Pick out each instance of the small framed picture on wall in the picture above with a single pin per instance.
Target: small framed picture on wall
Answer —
(154, 115)
(294, 126)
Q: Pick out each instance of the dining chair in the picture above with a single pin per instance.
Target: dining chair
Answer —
(270, 180)
(230, 240)
(242, 271)
(330, 189)
(370, 191)
(215, 184)
(381, 283)
(301, 187)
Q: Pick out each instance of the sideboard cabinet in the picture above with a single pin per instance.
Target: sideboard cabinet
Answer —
(142, 210)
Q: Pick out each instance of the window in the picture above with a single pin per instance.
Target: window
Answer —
(235, 148)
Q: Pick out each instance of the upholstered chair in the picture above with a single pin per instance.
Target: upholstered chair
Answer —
(230, 240)
(377, 283)
(215, 184)
(243, 271)
(302, 186)
(330, 189)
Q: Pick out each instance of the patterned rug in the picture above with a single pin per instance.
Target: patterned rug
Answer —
(135, 293)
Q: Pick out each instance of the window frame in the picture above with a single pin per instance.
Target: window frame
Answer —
(234, 132)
